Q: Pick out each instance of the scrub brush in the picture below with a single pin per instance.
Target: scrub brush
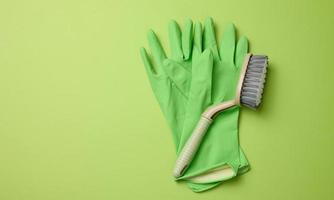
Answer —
(249, 93)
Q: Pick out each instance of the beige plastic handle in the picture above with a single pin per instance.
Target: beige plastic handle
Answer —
(191, 147)
(193, 143)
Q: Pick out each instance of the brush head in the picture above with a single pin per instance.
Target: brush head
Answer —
(253, 83)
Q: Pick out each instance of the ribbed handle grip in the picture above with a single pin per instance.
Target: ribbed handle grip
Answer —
(191, 147)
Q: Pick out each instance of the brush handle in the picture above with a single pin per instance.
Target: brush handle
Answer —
(191, 147)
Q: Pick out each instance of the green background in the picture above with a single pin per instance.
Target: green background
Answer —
(78, 119)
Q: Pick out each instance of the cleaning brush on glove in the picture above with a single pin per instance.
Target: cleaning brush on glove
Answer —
(249, 93)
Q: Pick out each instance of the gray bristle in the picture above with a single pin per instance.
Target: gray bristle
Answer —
(255, 77)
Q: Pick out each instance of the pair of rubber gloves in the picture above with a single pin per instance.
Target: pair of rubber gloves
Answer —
(195, 76)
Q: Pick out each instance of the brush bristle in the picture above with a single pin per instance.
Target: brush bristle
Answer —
(252, 87)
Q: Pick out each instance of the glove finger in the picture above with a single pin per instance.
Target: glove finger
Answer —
(201, 82)
(241, 51)
(227, 46)
(210, 38)
(156, 48)
(197, 47)
(179, 75)
(175, 41)
(187, 37)
(151, 71)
